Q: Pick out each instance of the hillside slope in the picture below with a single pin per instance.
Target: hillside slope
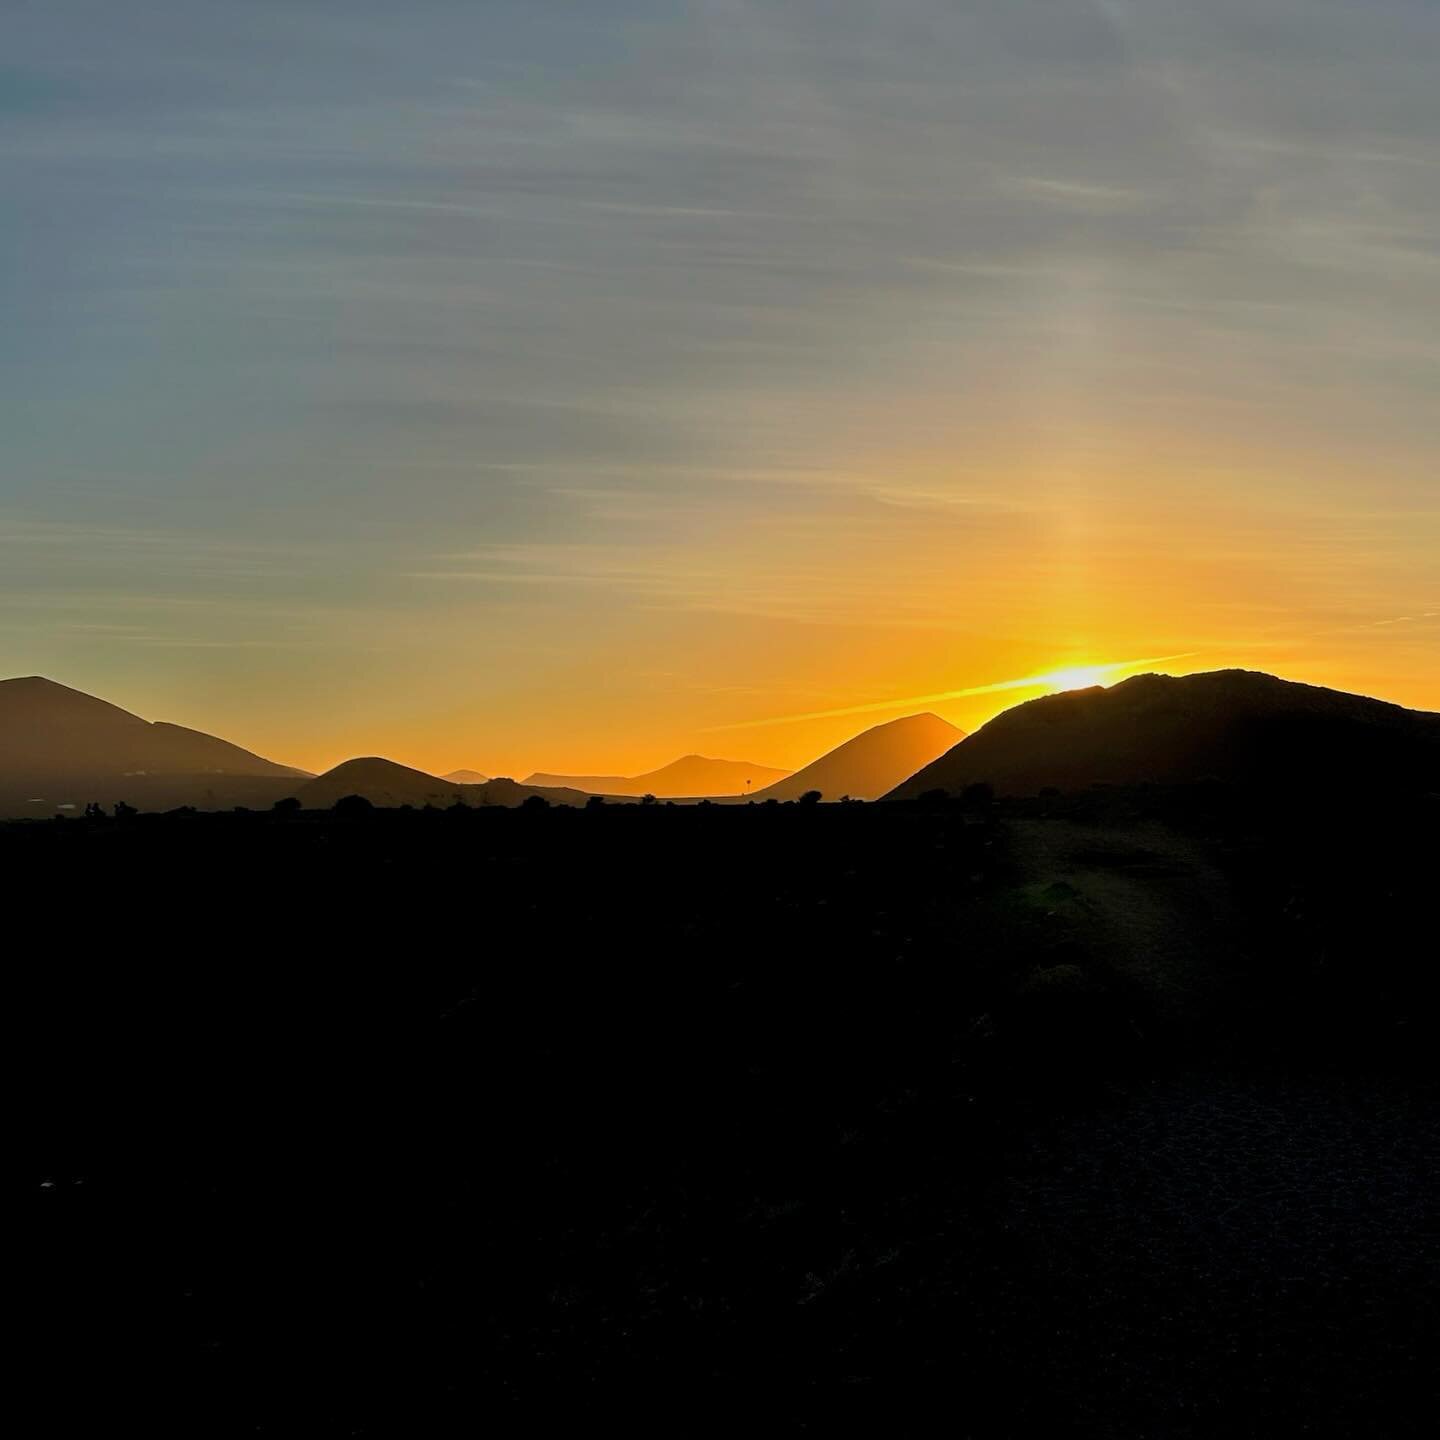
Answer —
(381, 782)
(49, 730)
(872, 763)
(61, 749)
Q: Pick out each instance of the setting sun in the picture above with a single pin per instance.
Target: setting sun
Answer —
(1079, 677)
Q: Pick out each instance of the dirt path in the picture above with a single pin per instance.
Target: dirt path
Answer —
(1143, 901)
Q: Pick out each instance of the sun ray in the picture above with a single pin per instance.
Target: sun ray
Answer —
(1067, 679)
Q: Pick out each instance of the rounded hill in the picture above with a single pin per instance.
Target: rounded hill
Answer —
(1228, 725)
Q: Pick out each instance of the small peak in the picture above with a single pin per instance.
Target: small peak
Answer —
(925, 717)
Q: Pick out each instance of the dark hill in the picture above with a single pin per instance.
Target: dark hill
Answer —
(389, 785)
(51, 730)
(876, 760)
(504, 791)
(1228, 725)
(380, 781)
(688, 777)
(59, 746)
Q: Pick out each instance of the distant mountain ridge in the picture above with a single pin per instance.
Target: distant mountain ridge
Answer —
(873, 762)
(690, 777)
(389, 785)
(1231, 725)
(61, 749)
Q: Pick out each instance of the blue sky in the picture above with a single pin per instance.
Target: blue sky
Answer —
(430, 365)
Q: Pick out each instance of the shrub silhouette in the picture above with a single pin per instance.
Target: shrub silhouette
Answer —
(535, 802)
(352, 807)
(811, 797)
(288, 805)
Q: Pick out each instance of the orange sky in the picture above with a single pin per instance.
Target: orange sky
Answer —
(715, 647)
(864, 596)
(710, 627)
(616, 658)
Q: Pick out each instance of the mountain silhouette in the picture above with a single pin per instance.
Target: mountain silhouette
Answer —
(390, 785)
(872, 763)
(465, 777)
(60, 747)
(691, 776)
(47, 729)
(1231, 725)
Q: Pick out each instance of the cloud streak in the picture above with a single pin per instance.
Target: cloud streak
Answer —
(785, 341)
(938, 697)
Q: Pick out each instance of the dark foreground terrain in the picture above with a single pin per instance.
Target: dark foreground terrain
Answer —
(1112, 1115)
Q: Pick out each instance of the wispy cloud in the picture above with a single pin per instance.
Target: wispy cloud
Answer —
(568, 327)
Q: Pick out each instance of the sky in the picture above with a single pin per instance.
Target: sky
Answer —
(570, 386)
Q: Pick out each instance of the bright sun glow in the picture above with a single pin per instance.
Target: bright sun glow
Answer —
(1078, 678)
